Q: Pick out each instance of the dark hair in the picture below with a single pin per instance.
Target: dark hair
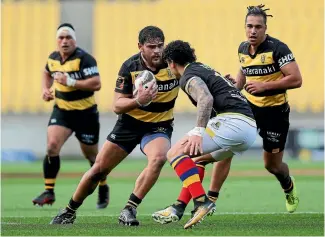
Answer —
(257, 11)
(66, 24)
(179, 52)
(150, 33)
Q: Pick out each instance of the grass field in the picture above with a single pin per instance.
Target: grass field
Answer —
(251, 202)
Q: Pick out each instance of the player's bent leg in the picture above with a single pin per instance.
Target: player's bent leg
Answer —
(90, 152)
(155, 146)
(186, 169)
(107, 159)
(56, 137)
(274, 164)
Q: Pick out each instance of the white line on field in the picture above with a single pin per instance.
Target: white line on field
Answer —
(216, 213)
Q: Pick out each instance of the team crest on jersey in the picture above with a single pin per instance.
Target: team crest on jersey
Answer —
(242, 60)
(263, 58)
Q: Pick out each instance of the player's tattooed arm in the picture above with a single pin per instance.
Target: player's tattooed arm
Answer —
(199, 91)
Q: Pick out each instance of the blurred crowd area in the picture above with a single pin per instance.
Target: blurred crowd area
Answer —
(109, 29)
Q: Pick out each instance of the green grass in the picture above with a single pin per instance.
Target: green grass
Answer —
(247, 205)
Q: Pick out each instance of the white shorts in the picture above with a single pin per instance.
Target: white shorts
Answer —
(230, 132)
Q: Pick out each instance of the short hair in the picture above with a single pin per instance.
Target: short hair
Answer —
(179, 52)
(151, 33)
(257, 11)
(66, 24)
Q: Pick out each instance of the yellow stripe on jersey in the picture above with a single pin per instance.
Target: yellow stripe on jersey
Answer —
(270, 100)
(265, 101)
(77, 104)
(150, 116)
(272, 77)
(260, 59)
(68, 66)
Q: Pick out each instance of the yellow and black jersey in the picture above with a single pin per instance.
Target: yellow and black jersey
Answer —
(80, 65)
(264, 66)
(160, 111)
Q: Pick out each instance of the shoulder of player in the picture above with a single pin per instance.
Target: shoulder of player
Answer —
(274, 43)
(132, 62)
(83, 54)
(54, 55)
(242, 46)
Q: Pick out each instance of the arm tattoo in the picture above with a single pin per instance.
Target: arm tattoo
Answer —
(199, 91)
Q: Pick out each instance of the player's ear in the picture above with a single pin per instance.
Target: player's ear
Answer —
(140, 47)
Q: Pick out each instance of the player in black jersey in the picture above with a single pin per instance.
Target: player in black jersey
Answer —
(268, 69)
(150, 126)
(231, 132)
(75, 77)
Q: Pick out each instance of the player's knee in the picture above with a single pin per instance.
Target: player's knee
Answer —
(273, 169)
(53, 148)
(97, 173)
(156, 163)
(172, 153)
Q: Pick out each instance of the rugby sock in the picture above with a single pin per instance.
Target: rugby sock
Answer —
(185, 195)
(213, 196)
(285, 181)
(73, 206)
(187, 171)
(51, 167)
(134, 201)
(102, 182)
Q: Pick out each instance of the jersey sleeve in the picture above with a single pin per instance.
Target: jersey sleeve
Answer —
(124, 81)
(283, 55)
(88, 67)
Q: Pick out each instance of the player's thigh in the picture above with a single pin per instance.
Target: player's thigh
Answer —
(109, 156)
(126, 136)
(86, 127)
(58, 130)
(89, 151)
(155, 146)
(274, 130)
(232, 132)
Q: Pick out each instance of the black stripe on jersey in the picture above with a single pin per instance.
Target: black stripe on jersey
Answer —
(73, 95)
(260, 70)
(167, 85)
(269, 93)
(157, 107)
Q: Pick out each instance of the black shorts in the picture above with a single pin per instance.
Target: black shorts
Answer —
(273, 126)
(129, 136)
(84, 123)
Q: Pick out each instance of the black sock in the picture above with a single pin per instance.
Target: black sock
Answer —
(213, 195)
(73, 206)
(285, 181)
(51, 167)
(200, 200)
(134, 201)
(179, 205)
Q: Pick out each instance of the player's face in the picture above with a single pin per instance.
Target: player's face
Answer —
(66, 43)
(152, 52)
(255, 29)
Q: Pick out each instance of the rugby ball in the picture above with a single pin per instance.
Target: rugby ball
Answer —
(145, 78)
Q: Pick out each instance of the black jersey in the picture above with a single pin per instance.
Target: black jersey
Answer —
(80, 65)
(160, 111)
(226, 98)
(264, 66)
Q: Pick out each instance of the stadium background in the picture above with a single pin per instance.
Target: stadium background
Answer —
(251, 201)
(109, 30)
